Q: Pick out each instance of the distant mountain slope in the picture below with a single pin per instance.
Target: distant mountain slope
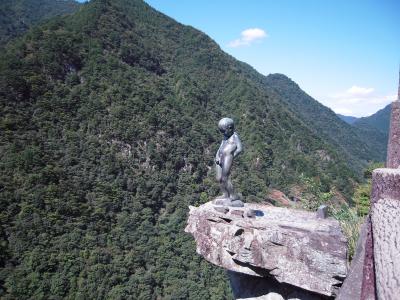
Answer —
(376, 127)
(324, 122)
(348, 119)
(16, 16)
(379, 120)
(107, 135)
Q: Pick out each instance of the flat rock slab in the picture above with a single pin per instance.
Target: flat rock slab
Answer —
(386, 231)
(292, 246)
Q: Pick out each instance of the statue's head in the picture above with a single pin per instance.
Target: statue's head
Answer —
(226, 126)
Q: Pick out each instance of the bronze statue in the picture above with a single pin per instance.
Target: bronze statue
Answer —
(229, 149)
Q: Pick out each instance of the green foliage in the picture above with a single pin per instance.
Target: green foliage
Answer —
(350, 218)
(362, 192)
(16, 16)
(371, 167)
(361, 198)
(351, 223)
(357, 144)
(108, 133)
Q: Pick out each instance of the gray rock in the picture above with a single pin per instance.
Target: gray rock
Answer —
(291, 246)
(251, 213)
(221, 209)
(238, 212)
(237, 203)
(322, 212)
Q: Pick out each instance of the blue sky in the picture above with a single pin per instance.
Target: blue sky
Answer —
(345, 54)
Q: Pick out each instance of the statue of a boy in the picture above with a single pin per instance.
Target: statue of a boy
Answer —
(229, 149)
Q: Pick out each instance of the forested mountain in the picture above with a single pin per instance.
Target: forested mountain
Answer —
(352, 143)
(347, 119)
(16, 16)
(379, 120)
(108, 132)
(376, 127)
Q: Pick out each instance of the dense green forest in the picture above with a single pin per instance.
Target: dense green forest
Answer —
(108, 133)
(373, 129)
(379, 120)
(376, 126)
(16, 16)
(351, 140)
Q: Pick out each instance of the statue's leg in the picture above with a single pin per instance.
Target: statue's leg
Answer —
(225, 194)
(226, 170)
(231, 191)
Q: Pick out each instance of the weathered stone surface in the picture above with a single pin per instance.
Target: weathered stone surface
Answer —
(385, 184)
(386, 232)
(221, 209)
(393, 151)
(292, 246)
(351, 288)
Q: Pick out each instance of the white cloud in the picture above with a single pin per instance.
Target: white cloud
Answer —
(358, 101)
(343, 111)
(383, 100)
(248, 37)
(359, 91)
(354, 94)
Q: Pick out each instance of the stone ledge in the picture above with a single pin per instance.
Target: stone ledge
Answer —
(292, 246)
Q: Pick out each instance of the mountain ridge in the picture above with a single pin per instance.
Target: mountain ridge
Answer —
(348, 119)
(379, 120)
(324, 121)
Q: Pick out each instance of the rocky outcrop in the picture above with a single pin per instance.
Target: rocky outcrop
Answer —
(290, 247)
